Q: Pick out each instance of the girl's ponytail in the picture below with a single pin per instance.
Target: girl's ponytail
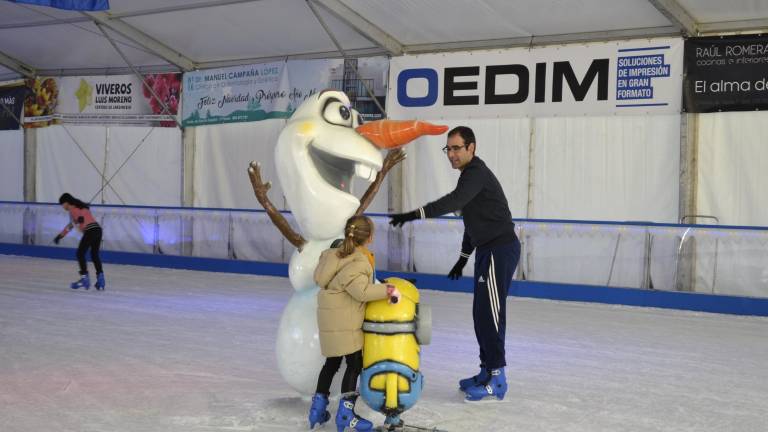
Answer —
(356, 232)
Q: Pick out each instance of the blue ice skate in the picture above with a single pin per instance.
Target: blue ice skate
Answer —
(100, 282)
(347, 420)
(84, 282)
(493, 390)
(318, 413)
(480, 378)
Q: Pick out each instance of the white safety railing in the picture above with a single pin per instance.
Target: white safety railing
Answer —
(696, 258)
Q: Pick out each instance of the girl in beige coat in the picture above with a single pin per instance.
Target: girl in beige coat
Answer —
(345, 278)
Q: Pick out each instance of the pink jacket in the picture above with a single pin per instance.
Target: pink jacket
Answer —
(80, 218)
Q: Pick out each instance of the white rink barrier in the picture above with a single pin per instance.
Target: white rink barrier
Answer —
(696, 258)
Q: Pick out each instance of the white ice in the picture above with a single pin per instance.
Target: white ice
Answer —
(185, 351)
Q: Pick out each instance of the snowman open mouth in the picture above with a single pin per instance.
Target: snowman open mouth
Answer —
(338, 170)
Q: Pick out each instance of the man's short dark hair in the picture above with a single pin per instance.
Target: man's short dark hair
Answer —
(466, 134)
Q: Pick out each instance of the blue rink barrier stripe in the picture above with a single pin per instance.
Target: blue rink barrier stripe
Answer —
(553, 291)
(601, 294)
(151, 260)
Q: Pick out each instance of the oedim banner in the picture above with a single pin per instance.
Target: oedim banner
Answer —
(627, 77)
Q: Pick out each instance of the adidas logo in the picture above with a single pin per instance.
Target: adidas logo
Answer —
(481, 279)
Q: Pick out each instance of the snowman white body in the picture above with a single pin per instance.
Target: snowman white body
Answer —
(317, 153)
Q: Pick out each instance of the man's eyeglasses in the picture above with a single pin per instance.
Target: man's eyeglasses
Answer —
(453, 149)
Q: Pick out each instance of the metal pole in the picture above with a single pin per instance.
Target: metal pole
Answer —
(613, 260)
(106, 156)
(344, 55)
(648, 248)
(531, 168)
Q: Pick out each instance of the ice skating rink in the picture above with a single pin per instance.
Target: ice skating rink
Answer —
(184, 351)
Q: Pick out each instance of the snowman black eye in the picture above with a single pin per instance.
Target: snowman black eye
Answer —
(337, 113)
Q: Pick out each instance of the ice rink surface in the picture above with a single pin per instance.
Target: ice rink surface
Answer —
(184, 351)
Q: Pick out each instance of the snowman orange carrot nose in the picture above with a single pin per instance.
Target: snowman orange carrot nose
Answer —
(389, 134)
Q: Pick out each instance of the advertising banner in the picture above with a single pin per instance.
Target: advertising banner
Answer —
(11, 103)
(274, 90)
(728, 73)
(110, 99)
(627, 77)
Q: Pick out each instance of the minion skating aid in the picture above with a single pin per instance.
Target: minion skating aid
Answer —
(391, 381)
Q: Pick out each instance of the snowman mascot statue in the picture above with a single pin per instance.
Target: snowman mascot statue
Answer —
(320, 149)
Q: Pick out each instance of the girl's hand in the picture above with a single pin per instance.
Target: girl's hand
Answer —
(393, 293)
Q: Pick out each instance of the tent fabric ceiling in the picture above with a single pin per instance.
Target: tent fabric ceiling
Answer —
(213, 33)
(20, 13)
(49, 47)
(435, 21)
(714, 11)
(268, 28)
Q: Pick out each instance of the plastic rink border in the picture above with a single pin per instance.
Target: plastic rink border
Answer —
(698, 302)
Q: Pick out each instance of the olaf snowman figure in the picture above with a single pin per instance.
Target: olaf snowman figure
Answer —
(320, 149)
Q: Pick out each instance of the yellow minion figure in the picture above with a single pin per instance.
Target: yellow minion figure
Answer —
(391, 382)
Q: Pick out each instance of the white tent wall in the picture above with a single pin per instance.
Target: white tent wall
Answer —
(72, 158)
(731, 176)
(222, 155)
(151, 176)
(730, 182)
(62, 166)
(11, 184)
(220, 180)
(620, 168)
(12, 165)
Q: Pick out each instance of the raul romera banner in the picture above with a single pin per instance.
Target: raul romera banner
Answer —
(726, 73)
(627, 77)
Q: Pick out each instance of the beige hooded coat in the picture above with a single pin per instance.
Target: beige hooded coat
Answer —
(345, 287)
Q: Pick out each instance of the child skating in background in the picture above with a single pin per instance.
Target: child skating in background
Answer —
(345, 278)
(81, 217)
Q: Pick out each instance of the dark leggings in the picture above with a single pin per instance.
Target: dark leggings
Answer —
(91, 239)
(332, 364)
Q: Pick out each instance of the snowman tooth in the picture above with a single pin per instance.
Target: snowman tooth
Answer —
(364, 171)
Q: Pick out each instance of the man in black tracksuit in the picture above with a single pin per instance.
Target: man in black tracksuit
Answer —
(489, 230)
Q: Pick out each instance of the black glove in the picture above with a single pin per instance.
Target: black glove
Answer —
(455, 272)
(399, 219)
(57, 239)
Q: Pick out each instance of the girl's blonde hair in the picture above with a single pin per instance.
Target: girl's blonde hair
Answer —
(356, 232)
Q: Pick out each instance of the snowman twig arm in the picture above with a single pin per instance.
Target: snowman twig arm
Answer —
(393, 158)
(260, 189)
